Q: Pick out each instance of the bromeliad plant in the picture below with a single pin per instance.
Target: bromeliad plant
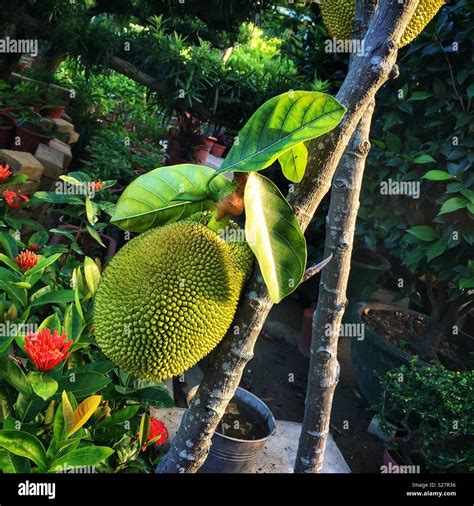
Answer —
(276, 131)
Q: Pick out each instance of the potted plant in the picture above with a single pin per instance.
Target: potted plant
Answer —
(430, 408)
(186, 143)
(387, 342)
(33, 130)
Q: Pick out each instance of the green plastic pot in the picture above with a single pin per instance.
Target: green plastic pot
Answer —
(367, 267)
(373, 356)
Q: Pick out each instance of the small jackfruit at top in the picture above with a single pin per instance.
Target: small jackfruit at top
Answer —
(338, 16)
(168, 297)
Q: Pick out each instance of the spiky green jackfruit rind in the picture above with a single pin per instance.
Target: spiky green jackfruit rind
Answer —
(338, 16)
(168, 297)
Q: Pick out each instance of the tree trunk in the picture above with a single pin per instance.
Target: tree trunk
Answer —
(366, 74)
(324, 367)
(323, 373)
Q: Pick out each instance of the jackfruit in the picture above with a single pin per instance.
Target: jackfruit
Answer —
(168, 297)
(338, 16)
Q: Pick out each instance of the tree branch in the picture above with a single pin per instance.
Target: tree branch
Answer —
(366, 75)
(47, 32)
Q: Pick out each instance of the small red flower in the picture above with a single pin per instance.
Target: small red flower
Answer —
(14, 200)
(26, 260)
(5, 173)
(34, 247)
(47, 350)
(97, 185)
(157, 428)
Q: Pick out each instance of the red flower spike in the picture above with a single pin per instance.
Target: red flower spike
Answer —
(13, 199)
(26, 260)
(157, 428)
(5, 173)
(47, 350)
(98, 185)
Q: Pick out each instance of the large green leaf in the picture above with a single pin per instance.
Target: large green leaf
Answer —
(157, 396)
(56, 297)
(121, 416)
(12, 374)
(274, 235)
(83, 384)
(11, 463)
(147, 202)
(42, 385)
(280, 124)
(24, 444)
(87, 456)
(293, 163)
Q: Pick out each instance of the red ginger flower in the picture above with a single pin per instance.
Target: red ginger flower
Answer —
(34, 247)
(157, 428)
(26, 260)
(5, 173)
(14, 200)
(47, 350)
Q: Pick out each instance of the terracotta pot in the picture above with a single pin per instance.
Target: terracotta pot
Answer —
(6, 131)
(210, 141)
(53, 112)
(30, 139)
(218, 150)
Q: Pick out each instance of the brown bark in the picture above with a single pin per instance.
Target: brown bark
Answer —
(324, 367)
(323, 373)
(366, 74)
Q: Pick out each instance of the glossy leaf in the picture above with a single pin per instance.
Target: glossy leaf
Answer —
(72, 323)
(13, 374)
(147, 202)
(86, 456)
(423, 232)
(119, 417)
(56, 297)
(13, 464)
(68, 412)
(83, 412)
(275, 237)
(92, 274)
(293, 163)
(452, 205)
(44, 386)
(438, 175)
(24, 444)
(84, 384)
(280, 124)
(144, 430)
(51, 322)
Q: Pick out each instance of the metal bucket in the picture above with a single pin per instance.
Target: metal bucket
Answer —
(231, 455)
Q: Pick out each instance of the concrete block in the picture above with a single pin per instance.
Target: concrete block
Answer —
(64, 148)
(52, 160)
(279, 454)
(73, 137)
(63, 126)
(21, 162)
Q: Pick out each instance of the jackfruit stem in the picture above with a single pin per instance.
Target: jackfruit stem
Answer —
(218, 225)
